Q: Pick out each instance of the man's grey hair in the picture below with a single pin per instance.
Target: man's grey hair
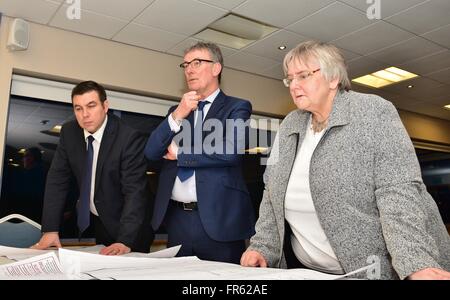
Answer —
(213, 49)
(330, 58)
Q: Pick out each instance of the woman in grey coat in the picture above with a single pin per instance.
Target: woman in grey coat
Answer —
(344, 181)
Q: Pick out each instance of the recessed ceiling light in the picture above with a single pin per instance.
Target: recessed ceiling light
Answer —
(385, 77)
(282, 47)
(410, 86)
(447, 106)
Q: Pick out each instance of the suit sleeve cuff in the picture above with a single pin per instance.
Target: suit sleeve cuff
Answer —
(174, 126)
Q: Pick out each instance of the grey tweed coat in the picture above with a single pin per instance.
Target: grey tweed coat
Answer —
(366, 187)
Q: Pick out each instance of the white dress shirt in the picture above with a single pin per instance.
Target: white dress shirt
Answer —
(98, 135)
(309, 242)
(186, 191)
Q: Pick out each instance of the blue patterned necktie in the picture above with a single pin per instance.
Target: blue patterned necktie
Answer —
(185, 173)
(83, 208)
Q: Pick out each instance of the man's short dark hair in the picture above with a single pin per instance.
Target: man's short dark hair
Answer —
(88, 86)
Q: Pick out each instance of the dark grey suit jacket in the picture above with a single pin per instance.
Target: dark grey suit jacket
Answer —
(121, 193)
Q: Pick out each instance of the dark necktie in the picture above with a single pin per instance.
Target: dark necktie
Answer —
(83, 208)
(183, 172)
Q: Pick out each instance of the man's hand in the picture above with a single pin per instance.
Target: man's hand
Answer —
(188, 104)
(172, 151)
(430, 274)
(115, 249)
(49, 239)
(252, 258)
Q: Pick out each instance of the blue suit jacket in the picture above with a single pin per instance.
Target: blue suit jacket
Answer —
(224, 202)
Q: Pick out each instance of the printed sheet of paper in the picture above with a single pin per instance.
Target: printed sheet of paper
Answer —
(165, 253)
(44, 266)
(188, 268)
(21, 253)
(86, 263)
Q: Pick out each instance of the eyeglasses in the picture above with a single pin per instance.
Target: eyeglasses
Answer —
(300, 77)
(195, 63)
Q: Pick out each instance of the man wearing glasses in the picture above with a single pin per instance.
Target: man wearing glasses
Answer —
(202, 200)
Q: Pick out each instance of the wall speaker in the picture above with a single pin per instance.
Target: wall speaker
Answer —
(19, 35)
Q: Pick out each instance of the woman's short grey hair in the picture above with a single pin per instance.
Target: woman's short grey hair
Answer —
(213, 49)
(331, 61)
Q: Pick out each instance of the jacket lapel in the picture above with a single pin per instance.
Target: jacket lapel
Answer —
(80, 154)
(216, 106)
(295, 132)
(340, 114)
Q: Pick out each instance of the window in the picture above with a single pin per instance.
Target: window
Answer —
(435, 166)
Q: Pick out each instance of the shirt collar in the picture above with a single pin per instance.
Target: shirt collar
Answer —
(99, 133)
(211, 97)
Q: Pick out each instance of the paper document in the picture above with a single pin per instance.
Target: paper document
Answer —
(165, 253)
(44, 266)
(189, 268)
(86, 263)
(75, 262)
(21, 253)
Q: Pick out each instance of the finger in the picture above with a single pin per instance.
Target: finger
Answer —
(189, 96)
(121, 251)
(241, 261)
(35, 246)
(253, 262)
(105, 251)
(262, 263)
(244, 260)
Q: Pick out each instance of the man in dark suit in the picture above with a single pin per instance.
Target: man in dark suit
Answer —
(106, 157)
(202, 199)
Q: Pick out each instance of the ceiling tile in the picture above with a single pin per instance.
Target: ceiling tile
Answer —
(281, 12)
(423, 17)
(348, 55)
(184, 17)
(423, 87)
(39, 11)
(147, 37)
(90, 23)
(228, 4)
(374, 91)
(440, 36)
(439, 100)
(249, 62)
(430, 110)
(363, 66)
(441, 76)
(428, 64)
(388, 8)
(331, 22)
(275, 72)
(403, 102)
(125, 10)
(179, 48)
(268, 47)
(414, 48)
(372, 38)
